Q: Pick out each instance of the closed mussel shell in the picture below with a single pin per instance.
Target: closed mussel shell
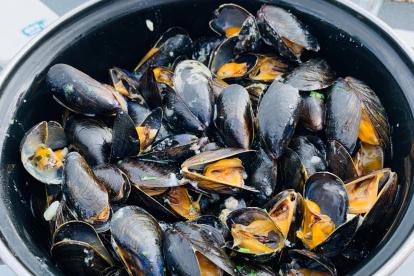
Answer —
(125, 141)
(310, 156)
(340, 161)
(92, 138)
(313, 111)
(203, 47)
(114, 180)
(84, 194)
(303, 261)
(343, 115)
(235, 117)
(276, 131)
(137, 239)
(79, 92)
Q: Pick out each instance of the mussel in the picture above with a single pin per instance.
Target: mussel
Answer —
(219, 171)
(80, 93)
(234, 118)
(85, 195)
(115, 181)
(137, 239)
(304, 262)
(78, 250)
(276, 132)
(255, 234)
(283, 31)
(42, 151)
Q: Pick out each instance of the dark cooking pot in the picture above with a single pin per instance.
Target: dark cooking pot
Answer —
(107, 33)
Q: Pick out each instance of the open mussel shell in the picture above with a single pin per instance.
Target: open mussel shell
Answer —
(80, 93)
(84, 194)
(373, 112)
(314, 74)
(203, 47)
(286, 210)
(175, 148)
(137, 239)
(149, 89)
(303, 262)
(78, 250)
(223, 53)
(91, 138)
(173, 43)
(38, 152)
(125, 83)
(218, 162)
(268, 68)
(313, 111)
(276, 131)
(343, 115)
(253, 225)
(340, 161)
(368, 158)
(138, 111)
(200, 250)
(115, 181)
(234, 118)
(329, 193)
(263, 177)
(191, 83)
(283, 31)
(229, 19)
(236, 69)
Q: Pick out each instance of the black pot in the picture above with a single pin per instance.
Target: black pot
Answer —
(107, 33)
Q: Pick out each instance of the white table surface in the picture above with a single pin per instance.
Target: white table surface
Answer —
(399, 16)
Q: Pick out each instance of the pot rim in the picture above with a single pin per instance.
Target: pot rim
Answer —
(19, 268)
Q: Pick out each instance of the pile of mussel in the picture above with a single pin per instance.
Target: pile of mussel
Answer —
(239, 153)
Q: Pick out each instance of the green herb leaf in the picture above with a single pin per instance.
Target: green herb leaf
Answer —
(244, 250)
(148, 178)
(239, 268)
(252, 273)
(317, 95)
(38, 158)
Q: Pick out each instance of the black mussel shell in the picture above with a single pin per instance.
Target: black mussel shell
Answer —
(287, 204)
(339, 239)
(329, 193)
(145, 173)
(303, 259)
(125, 140)
(178, 115)
(92, 138)
(138, 111)
(343, 115)
(282, 30)
(312, 159)
(256, 92)
(249, 37)
(173, 43)
(149, 89)
(234, 118)
(84, 194)
(228, 20)
(79, 92)
(263, 177)
(313, 111)
(245, 216)
(125, 83)
(292, 172)
(203, 47)
(115, 271)
(223, 53)
(115, 181)
(314, 74)
(191, 83)
(340, 161)
(373, 108)
(137, 239)
(188, 241)
(214, 222)
(278, 115)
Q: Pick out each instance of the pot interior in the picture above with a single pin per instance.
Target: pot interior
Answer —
(115, 34)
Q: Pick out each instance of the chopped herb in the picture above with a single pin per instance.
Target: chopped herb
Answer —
(38, 158)
(317, 95)
(192, 210)
(239, 268)
(265, 209)
(244, 250)
(48, 155)
(252, 273)
(147, 178)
